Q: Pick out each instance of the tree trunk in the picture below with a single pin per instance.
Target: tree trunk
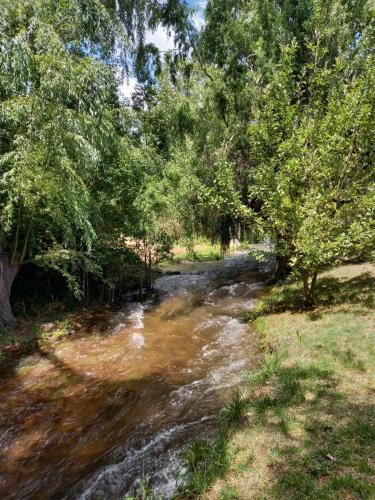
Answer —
(239, 231)
(309, 288)
(282, 267)
(312, 287)
(149, 277)
(7, 274)
(283, 252)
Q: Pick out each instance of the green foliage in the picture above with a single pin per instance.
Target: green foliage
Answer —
(316, 187)
(73, 180)
(56, 117)
(67, 262)
(269, 123)
(234, 411)
(296, 98)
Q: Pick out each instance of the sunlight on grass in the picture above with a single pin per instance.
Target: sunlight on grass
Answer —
(305, 427)
(199, 250)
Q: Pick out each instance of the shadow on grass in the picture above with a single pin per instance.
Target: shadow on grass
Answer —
(335, 458)
(332, 454)
(330, 291)
(207, 460)
(334, 451)
(290, 388)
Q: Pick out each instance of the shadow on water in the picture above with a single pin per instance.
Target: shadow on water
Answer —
(28, 336)
(85, 416)
(67, 436)
(68, 432)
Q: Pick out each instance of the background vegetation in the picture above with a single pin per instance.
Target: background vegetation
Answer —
(263, 121)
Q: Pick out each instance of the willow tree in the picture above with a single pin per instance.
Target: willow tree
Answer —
(58, 124)
(192, 135)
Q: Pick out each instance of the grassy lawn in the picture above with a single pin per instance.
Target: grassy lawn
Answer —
(202, 253)
(305, 425)
(199, 250)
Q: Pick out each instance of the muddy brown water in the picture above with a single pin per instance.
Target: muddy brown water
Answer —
(92, 417)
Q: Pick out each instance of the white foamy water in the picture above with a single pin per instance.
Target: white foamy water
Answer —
(232, 332)
(119, 328)
(110, 478)
(136, 315)
(180, 282)
(126, 405)
(137, 339)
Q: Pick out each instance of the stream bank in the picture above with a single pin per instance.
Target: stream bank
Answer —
(93, 414)
(304, 424)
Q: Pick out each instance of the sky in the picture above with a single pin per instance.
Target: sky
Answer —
(160, 39)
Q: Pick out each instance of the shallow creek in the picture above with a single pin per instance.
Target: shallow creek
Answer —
(91, 417)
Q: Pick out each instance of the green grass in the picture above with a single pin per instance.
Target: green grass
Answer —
(305, 426)
(198, 250)
(206, 460)
(197, 256)
(234, 411)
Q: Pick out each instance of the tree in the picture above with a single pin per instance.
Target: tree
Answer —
(55, 111)
(191, 135)
(279, 63)
(317, 185)
(59, 128)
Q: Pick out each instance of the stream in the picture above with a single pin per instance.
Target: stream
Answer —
(92, 416)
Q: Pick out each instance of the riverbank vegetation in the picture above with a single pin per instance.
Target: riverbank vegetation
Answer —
(196, 250)
(258, 125)
(304, 425)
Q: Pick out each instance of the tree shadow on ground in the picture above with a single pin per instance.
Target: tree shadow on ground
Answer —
(330, 456)
(330, 291)
(333, 453)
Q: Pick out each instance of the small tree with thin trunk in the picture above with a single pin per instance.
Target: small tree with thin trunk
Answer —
(318, 185)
